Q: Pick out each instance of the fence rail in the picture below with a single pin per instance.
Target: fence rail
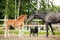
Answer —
(1, 19)
(54, 25)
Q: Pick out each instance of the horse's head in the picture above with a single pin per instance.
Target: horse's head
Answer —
(37, 15)
(31, 17)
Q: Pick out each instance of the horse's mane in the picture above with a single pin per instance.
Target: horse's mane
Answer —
(20, 17)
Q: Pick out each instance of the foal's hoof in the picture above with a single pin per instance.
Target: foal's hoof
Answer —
(9, 37)
(53, 36)
(19, 36)
(5, 37)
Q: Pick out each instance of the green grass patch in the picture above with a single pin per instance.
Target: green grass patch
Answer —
(1, 32)
(27, 32)
(57, 32)
(41, 32)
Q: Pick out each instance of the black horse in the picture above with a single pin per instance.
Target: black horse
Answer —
(47, 17)
(34, 31)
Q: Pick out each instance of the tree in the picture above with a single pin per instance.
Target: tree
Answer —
(10, 9)
(17, 7)
(47, 5)
(57, 8)
(27, 6)
(2, 7)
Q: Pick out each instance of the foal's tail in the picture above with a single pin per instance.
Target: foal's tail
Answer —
(5, 19)
(4, 25)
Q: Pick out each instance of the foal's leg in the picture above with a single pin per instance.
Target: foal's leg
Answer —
(47, 30)
(19, 33)
(5, 30)
(8, 30)
(5, 33)
(22, 32)
(51, 29)
(8, 33)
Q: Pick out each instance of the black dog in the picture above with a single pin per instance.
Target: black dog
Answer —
(34, 31)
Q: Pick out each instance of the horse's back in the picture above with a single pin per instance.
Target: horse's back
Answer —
(52, 17)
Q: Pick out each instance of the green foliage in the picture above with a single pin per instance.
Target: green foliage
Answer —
(2, 5)
(43, 6)
(26, 7)
(58, 8)
(10, 9)
(47, 5)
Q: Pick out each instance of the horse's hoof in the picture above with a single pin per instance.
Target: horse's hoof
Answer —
(30, 35)
(46, 36)
(53, 34)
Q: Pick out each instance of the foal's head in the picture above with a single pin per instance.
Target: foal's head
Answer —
(22, 17)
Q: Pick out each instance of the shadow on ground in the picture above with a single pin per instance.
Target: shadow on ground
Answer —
(27, 37)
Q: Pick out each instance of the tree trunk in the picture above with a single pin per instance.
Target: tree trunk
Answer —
(15, 9)
(18, 8)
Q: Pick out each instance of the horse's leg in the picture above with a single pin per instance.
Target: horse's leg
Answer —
(33, 34)
(47, 29)
(51, 29)
(37, 33)
(30, 33)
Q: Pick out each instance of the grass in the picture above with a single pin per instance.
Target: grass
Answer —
(27, 32)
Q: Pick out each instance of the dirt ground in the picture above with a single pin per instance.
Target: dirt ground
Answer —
(27, 37)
